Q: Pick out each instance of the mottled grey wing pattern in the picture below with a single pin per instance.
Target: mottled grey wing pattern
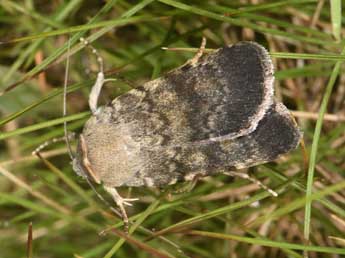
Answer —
(276, 134)
(225, 94)
(213, 116)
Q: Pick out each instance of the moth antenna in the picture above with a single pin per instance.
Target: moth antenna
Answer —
(67, 136)
(64, 111)
(251, 179)
(96, 88)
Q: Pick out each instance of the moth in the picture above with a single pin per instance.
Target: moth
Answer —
(214, 114)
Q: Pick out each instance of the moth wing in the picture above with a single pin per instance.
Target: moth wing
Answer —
(275, 135)
(223, 96)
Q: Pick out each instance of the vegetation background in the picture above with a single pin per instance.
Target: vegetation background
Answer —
(220, 217)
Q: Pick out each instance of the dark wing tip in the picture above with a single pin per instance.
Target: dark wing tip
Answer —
(278, 132)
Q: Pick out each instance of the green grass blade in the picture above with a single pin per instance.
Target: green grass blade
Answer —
(60, 16)
(136, 224)
(315, 144)
(42, 125)
(238, 22)
(336, 18)
(256, 241)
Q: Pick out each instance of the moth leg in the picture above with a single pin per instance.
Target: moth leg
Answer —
(96, 88)
(70, 136)
(251, 179)
(198, 54)
(121, 202)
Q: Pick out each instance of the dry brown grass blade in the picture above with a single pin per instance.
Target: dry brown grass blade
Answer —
(29, 247)
(141, 245)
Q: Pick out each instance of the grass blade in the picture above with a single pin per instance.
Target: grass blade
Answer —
(314, 147)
